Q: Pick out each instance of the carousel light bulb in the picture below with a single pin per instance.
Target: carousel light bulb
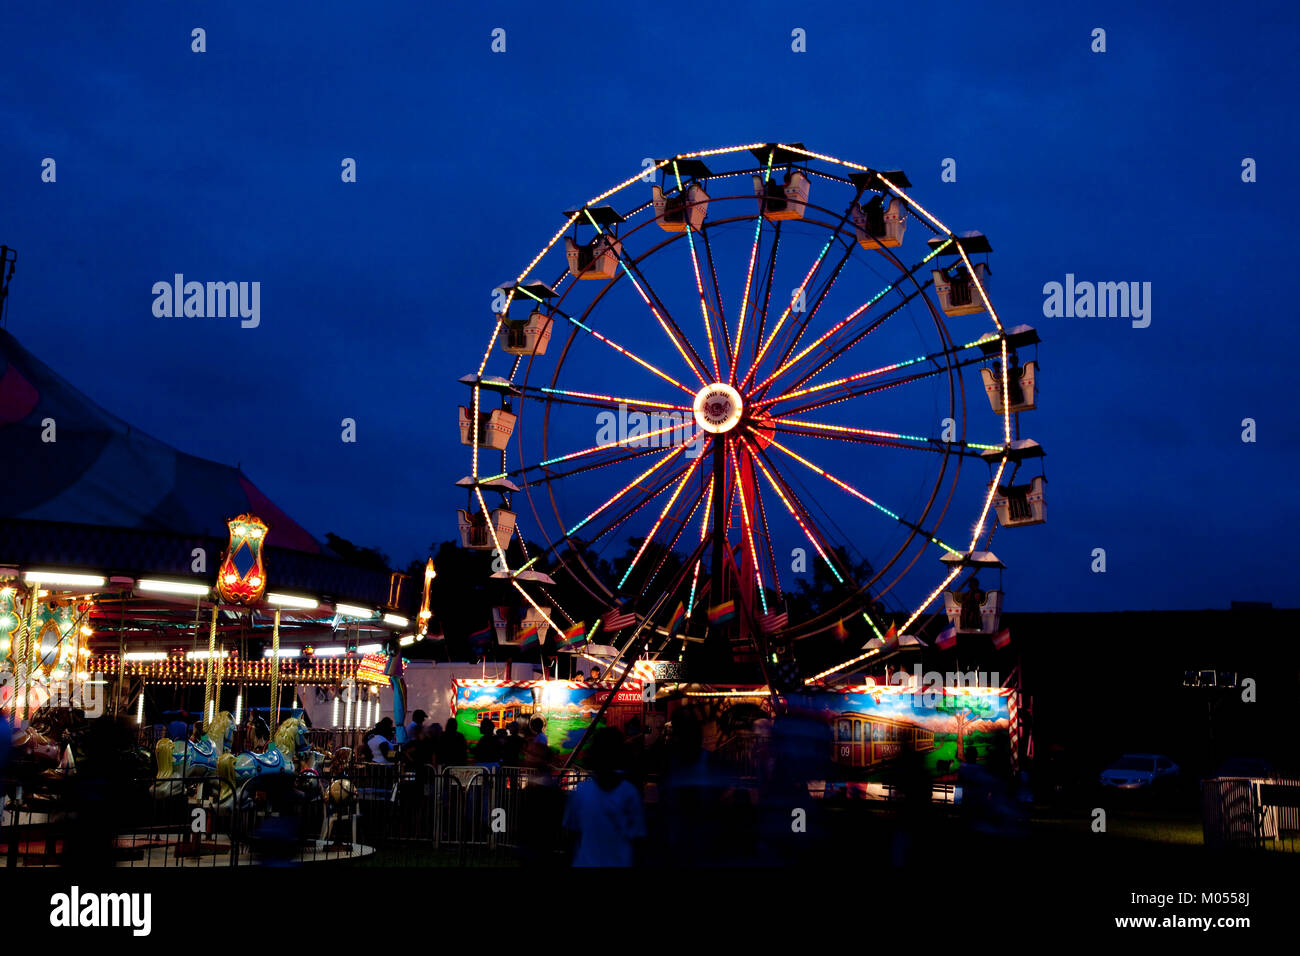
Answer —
(172, 587)
(61, 577)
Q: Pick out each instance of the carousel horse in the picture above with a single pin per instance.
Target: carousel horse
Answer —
(290, 738)
(32, 745)
(200, 759)
(228, 781)
(168, 782)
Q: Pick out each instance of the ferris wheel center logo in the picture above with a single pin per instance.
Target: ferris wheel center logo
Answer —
(718, 408)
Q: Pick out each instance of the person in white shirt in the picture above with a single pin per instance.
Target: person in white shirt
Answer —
(381, 742)
(603, 815)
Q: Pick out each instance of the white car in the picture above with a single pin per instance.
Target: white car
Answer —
(1136, 771)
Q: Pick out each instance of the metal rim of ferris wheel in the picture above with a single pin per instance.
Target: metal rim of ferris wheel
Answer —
(748, 372)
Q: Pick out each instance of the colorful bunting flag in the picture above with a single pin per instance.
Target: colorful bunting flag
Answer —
(528, 633)
(674, 622)
(573, 636)
(722, 613)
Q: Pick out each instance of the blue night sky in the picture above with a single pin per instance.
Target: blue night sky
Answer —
(1122, 166)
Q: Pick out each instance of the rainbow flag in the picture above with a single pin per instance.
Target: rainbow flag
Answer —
(722, 613)
(675, 621)
(891, 635)
(573, 636)
(528, 634)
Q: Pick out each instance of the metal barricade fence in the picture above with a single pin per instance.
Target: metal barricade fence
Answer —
(136, 822)
(393, 814)
(1245, 812)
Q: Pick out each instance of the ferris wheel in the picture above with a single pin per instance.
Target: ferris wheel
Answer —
(733, 369)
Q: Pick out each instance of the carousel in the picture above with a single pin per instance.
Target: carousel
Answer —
(82, 648)
(167, 635)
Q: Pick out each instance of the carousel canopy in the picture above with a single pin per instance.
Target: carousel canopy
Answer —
(103, 471)
(106, 496)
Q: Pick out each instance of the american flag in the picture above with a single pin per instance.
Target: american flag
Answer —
(617, 619)
(947, 637)
(774, 621)
(1002, 638)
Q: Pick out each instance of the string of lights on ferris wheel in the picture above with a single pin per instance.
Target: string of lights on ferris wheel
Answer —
(733, 352)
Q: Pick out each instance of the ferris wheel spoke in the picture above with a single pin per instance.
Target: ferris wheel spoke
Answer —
(653, 490)
(606, 446)
(704, 531)
(618, 495)
(845, 486)
(809, 314)
(800, 293)
(785, 363)
(870, 436)
(551, 475)
(699, 282)
(767, 539)
(734, 357)
(861, 391)
(747, 526)
(655, 304)
(792, 504)
(645, 542)
(717, 294)
(704, 304)
(769, 275)
(849, 384)
(668, 550)
(584, 545)
(542, 393)
(622, 351)
(835, 351)
(665, 320)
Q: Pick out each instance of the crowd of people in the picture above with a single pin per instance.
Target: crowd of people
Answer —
(430, 744)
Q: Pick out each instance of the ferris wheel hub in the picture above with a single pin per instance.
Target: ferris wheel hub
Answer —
(718, 408)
